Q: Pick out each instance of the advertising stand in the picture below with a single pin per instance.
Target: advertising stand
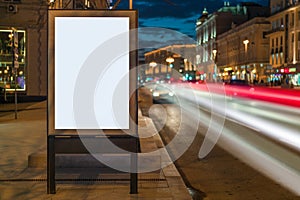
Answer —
(92, 96)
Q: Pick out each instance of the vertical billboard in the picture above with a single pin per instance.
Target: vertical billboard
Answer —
(92, 81)
(90, 75)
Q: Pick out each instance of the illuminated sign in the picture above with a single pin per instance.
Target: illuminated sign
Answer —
(227, 69)
(292, 69)
(286, 70)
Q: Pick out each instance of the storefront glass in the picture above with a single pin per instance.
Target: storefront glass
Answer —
(12, 77)
(295, 79)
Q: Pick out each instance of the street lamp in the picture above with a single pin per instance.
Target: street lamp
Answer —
(246, 42)
(214, 51)
(170, 60)
(152, 64)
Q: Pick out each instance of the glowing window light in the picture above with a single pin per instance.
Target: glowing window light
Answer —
(153, 64)
(170, 60)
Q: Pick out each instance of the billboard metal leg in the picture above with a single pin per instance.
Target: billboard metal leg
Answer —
(51, 189)
(134, 176)
(133, 183)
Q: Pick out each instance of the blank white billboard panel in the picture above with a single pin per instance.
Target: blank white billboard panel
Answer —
(81, 50)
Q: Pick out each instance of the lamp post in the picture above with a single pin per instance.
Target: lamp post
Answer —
(214, 51)
(51, 4)
(15, 64)
(170, 60)
(246, 42)
(5, 77)
(153, 65)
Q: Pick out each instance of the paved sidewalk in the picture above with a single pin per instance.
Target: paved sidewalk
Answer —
(26, 136)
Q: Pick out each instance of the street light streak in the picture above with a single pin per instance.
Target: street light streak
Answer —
(265, 125)
(269, 128)
(260, 119)
(268, 113)
(243, 139)
(288, 97)
(257, 119)
(245, 125)
(278, 163)
(275, 169)
(217, 118)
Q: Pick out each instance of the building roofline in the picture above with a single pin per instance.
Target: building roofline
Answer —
(253, 21)
(169, 47)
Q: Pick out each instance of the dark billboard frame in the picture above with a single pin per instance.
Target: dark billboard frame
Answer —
(68, 141)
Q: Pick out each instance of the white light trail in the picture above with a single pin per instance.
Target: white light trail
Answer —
(275, 161)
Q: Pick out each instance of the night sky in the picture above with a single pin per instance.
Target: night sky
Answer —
(177, 15)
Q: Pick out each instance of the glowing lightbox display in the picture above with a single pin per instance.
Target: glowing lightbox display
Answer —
(97, 49)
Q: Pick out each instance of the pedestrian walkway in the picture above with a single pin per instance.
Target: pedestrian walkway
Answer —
(26, 136)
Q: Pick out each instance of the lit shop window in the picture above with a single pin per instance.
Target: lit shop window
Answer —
(12, 60)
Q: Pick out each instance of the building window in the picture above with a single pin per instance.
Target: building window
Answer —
(274, 25)
(292, 19)
(279, 6)
(281, 58)
(280, 61)
(12, 77)
(298, 47)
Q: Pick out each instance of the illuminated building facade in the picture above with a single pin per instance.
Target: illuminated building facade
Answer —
(30, 20)
(210, 26)
(284, 38)
(243, 51)
(169, 63)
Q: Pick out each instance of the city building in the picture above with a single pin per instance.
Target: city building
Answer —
(209, 26)
(243, 51)
(284, 38)
(171, 63)
(29, 18)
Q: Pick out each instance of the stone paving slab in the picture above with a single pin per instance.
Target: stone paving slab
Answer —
(27, 135)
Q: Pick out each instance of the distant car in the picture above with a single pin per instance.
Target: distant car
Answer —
(196, 81)
(238, 88)
(162, 94)
(238, 82)
(150, 86)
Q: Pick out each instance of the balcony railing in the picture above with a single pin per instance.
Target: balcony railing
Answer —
(274, 30)
(278, 10)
